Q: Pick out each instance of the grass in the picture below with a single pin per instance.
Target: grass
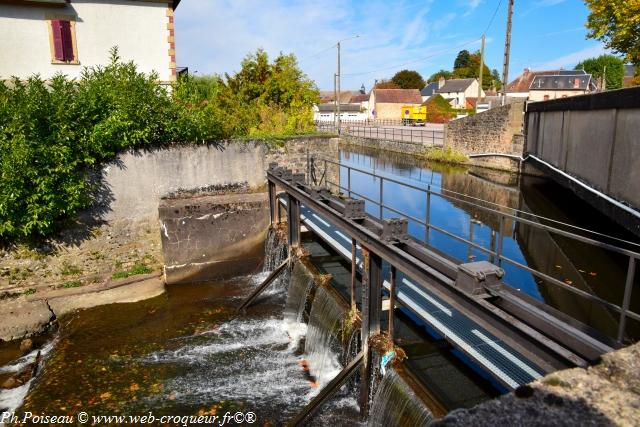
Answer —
(29, 291)
(133, 271)
(69, 269)
(445, 155)
(72, 284)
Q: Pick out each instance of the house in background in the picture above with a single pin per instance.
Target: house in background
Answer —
(386, 104)
(461, 93)
(353, 106)
(429, 90)
(562, 86)
(550, 84)
(46, 37)
(629, 74)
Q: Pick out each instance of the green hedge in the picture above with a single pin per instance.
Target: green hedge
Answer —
(53, 133)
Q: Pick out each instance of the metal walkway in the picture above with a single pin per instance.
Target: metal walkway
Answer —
(512, 337)
(503, 362)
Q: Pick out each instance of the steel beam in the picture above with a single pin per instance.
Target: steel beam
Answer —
(371, 300)
(293, 219)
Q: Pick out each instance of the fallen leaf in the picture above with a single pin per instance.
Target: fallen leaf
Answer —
(593, 273)
(568, 282)
(558, 266)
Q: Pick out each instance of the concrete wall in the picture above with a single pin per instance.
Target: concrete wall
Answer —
(498, 130)
(209, 237)
(594, 138)
(132, 186)
(142, 31)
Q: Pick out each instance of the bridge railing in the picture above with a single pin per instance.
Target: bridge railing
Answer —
(496, 252)
(409, 135)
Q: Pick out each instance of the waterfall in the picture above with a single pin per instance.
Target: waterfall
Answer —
(395, 404)
(275, 249)
(323, 346)
(300, 287)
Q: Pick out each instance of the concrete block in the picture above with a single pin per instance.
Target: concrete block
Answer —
(551, 137)
(624, 183)
(590, 145)
(212, 237)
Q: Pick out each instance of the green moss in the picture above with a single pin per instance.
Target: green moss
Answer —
(556, 382)
(29, 291)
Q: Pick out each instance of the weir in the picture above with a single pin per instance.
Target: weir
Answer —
(512, 337)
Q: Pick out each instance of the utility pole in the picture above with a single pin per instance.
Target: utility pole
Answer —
(339, 128)
(604, 79)
(507, 49)
(335, 78)
(481, 72)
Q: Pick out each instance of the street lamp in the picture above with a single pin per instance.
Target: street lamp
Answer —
(338, 74)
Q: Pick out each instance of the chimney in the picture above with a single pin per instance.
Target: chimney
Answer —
(441, 82)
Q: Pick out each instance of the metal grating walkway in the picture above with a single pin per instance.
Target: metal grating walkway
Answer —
(500, 360)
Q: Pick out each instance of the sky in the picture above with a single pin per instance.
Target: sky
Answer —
(213, 36)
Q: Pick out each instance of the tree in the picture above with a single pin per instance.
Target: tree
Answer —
(442, 73)
(614, 74)
(616, 24)
(408, 79)
(439, 110)
(497, 81)
(386, 84)
(472, 70)
(462, 60)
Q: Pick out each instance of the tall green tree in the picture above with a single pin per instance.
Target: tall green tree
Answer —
(611, 66)
(472, 70)
(408, 79)
(437, 75)
(497, 80)
(462, 60)
(617, 24)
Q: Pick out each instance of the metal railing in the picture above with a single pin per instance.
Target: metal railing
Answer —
(409, 135)
(495, 254)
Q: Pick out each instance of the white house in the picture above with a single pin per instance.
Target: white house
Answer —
(348, 112)
(46, 37)
(461, 93)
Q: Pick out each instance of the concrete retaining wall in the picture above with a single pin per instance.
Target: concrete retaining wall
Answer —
(132, 186)
(594, 138)
(211, 237)
(498, 130)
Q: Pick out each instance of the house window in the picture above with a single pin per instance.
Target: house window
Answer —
(62, 39)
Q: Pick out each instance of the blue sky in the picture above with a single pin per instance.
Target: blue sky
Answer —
(212, 36)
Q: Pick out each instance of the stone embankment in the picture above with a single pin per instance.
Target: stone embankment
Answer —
(607, 394)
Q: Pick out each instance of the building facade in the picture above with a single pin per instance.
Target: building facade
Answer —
(459, 91)
(47, 37)
(386, 104)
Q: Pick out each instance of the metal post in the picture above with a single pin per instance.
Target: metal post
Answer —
(371, 288)
(428, 215)
(349, 181)
(353, 274)
(273, 202)
(492, 246)
(500, 240)
(628, 287)
(293, 214)
(469, 246)
(392, 301)
(324, 174)
(381, 197)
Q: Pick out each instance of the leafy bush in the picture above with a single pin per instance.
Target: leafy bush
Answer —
(439, 110)
(53, 133)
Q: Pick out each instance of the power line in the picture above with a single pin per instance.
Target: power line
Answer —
(495, 12)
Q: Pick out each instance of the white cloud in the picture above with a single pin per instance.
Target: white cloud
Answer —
(570, 60)
(214, 37)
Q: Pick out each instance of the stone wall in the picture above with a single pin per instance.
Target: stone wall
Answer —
(498, 130)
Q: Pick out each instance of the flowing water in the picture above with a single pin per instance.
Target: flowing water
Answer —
(188, 352)
(585, 267)
(395, 403)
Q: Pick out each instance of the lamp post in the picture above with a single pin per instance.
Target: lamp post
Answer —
(338, 74)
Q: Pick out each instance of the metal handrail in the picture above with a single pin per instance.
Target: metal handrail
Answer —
(428, 137)
(623, 310)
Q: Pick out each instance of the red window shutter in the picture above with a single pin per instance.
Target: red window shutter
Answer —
(57, 40)
(67, 41)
